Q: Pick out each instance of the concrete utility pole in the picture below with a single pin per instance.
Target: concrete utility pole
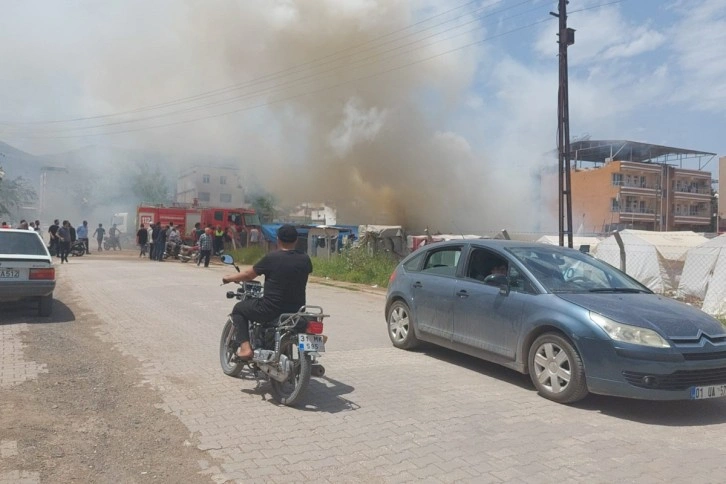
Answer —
(566, 39)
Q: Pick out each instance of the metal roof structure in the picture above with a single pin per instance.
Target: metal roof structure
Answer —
(601, 151)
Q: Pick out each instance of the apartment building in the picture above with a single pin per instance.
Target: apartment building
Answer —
(624, 184)
(211, 186)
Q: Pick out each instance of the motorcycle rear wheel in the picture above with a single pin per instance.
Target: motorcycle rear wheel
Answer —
(227, 349)
(289, 392)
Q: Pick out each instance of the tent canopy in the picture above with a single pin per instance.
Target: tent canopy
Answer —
(704, 275)
(577, 241)
(653, 258)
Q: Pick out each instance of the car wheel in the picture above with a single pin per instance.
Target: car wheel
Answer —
(556, 369)
(45, 306)
(400, 326)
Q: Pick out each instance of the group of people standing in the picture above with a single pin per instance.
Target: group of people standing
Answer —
(64, 235)
(153, 239)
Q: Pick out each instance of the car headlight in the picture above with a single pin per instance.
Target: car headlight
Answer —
(629, 334)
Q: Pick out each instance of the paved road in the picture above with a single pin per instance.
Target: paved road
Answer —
(379, 414)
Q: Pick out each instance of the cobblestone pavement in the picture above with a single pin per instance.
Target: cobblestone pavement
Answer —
(379, 414)
(15, 369)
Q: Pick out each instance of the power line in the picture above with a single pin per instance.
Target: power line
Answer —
(273, 75)
(357, 63)
(295, 96)
(269, 103)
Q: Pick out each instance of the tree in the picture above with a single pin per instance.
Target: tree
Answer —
(14, 194)
(150, 185)
(264, 205)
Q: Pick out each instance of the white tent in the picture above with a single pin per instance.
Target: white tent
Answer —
(704, 275)
(653, 258)
(577, 241)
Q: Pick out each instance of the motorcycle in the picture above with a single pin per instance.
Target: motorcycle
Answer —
(285, 350)
(172, 249)
(189, 252)
(78, 248)
(111, 243)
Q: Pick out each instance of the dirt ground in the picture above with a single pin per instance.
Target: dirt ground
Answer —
(88, 419)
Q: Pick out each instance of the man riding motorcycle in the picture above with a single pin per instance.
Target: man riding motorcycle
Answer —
(286, 275)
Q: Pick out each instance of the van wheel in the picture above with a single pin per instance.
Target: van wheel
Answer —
(45, 305)
(556, 369)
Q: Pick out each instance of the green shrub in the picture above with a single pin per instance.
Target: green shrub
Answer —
(356, 265)
(247, 255)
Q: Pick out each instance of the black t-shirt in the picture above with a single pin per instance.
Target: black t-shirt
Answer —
(143, 236)
(286, 275)
(53, 229)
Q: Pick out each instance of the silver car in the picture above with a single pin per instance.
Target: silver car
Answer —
(26, 269)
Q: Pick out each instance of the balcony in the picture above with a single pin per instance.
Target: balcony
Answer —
(697, 189)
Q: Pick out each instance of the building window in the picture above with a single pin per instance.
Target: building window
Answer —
(617, 179)
(222, 180)
(614, 205)
(203, 196)
(205, 178)
(225, 197)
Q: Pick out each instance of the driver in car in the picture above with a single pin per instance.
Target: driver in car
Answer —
(286, 275)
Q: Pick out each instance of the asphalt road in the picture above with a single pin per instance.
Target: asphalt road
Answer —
(379, 414)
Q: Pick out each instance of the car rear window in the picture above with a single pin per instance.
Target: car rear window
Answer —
(19, 243)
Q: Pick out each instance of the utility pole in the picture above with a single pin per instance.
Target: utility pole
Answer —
(566, 39)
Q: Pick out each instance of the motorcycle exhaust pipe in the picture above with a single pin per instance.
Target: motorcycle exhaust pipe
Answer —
(317, 370)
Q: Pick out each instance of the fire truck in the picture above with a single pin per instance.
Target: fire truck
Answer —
(186, 216)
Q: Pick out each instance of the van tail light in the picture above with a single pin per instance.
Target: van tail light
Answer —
(314, 327)
(42, 274)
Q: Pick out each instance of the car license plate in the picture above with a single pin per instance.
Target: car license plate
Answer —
(9, 274)
(311, 342)
(711, 391)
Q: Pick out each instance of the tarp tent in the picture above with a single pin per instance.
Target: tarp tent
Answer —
(653, 258)
(704, 275)
(382, 237)
(577, 241)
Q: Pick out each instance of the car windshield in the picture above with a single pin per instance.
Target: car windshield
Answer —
(565, 270)
(21, 243)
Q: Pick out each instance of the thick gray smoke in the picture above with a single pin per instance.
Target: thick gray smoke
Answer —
(382, 142)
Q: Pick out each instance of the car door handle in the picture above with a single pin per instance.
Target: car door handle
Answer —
(462, 293)
(417, 284)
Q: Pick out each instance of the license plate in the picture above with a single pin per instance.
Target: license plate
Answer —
(711, 391)
(311, 342)
(9, 274)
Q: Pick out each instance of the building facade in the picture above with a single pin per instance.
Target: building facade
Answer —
(641, 195)
(211, 186)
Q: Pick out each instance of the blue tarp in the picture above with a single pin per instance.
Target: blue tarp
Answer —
(269, 231)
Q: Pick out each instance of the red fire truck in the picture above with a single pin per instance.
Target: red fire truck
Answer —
(185, 216)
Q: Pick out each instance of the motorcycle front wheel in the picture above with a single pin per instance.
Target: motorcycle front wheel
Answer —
(290, 391)
(227, 348)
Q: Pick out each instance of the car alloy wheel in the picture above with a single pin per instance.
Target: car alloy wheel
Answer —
(556, 369)
(399, 324)
(552, 367)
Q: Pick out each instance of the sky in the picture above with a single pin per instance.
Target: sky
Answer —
(418, 112)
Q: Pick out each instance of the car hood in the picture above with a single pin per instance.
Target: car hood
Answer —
(671, 318)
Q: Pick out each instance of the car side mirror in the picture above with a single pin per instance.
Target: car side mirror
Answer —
(498, 280)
